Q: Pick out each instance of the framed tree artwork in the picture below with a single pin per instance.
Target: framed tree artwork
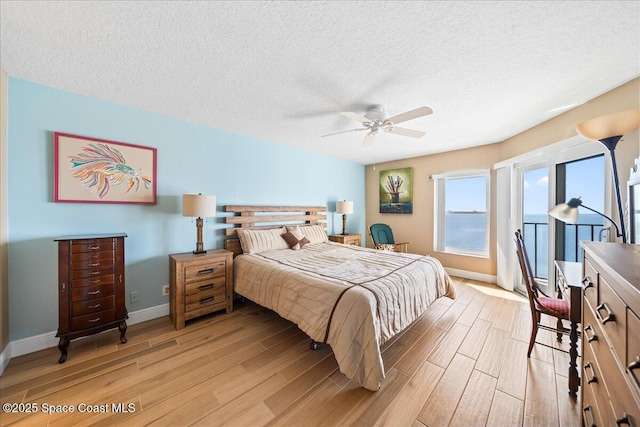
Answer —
(396, 191)
(91, 170)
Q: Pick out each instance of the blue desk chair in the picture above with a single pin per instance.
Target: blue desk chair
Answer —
(382, 238)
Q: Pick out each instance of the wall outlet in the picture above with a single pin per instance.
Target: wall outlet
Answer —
(133, 297)
(165, 290)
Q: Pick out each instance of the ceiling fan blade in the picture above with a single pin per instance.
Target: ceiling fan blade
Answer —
(368, 140)
(406, 132)
(356, 117)
(344, 131)
(409, 115)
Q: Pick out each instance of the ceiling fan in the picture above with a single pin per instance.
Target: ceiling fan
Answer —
(375, 121)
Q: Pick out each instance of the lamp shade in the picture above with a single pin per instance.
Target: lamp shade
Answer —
(344, 207)
(615, 124)
(567, 212)
(198, 205)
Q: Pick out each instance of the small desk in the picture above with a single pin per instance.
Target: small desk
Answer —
(570, 285)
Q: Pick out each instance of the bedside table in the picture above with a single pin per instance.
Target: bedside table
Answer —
(200, 284)
(347, 239)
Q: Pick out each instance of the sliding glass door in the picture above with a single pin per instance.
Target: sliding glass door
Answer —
(544, 184)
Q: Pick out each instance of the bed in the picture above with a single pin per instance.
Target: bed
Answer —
(352, 298)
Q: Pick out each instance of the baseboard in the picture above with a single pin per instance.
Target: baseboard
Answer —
(48, 339)
(472, 275)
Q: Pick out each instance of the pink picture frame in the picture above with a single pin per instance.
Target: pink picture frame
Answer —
(92, 170)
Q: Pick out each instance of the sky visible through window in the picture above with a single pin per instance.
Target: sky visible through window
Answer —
(585, 179)
(466, 194)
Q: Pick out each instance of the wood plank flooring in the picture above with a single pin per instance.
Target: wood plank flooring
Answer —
(463, 363)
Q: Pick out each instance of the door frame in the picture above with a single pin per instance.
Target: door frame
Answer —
(509, 183)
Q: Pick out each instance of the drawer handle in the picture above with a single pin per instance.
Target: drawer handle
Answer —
(593, 378)
(94, 264)
(632, 367)
(205, 300)
(205, 287)
(610, 316)
(94, 273)
(95, 281)
(588, 410)
(593, 336)
(94, 320)
(624, 421)
(207, 271)
(587, 282)
(94, 306)
(94, 292)
(94, 248)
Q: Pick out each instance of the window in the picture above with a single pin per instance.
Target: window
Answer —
(462, 213)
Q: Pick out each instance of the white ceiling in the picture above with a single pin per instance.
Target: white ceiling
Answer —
(283, 71)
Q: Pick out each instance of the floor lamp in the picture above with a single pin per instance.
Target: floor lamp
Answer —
(608, 130)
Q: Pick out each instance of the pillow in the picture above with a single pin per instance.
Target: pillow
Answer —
(315, 233)
(256, 241)
(295, 239)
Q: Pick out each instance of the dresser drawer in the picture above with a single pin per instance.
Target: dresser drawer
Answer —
(93, 320)
(590, 283)
(590, 412)
(92, 264)
(93, 281)
(632, 364)
(91, 256)
(592, 377)
(204, 294)
(91, 292)
(617, 394)
(92, 245)
(92, 306)
(204, 271)
(611, 313)
(92, 272)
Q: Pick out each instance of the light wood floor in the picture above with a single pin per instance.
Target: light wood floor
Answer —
(463, 363)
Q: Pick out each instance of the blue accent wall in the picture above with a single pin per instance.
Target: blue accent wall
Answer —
(192, 158)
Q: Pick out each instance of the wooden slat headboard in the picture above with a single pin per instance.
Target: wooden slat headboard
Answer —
(266, 217)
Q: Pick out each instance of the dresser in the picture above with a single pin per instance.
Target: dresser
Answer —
(200, 284)
(347, 239)
(91, 287)
(610, 384)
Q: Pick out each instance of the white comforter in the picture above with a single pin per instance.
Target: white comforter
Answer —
(352, 298)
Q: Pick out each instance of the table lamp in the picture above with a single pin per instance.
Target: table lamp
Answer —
(197, 205)
(345, 208)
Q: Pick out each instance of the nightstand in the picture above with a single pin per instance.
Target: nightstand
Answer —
(200, 284)
(347, 239)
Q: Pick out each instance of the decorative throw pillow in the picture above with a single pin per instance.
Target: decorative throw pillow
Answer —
(256, 241)
(295, 239)
(315, 233)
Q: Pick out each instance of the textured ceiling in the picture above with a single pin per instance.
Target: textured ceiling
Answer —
(283, 71)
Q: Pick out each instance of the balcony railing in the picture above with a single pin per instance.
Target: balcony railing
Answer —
(536, 240)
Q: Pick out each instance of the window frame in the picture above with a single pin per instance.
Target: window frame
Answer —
(439, 231)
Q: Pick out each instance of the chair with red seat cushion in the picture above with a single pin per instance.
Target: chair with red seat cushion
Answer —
(539, 302)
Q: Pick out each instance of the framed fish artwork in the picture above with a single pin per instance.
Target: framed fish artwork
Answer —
(91, 170)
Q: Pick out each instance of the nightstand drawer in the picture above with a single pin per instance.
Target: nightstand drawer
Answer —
(93, 320)
(92, 306)
(205, 298)
(204, 271)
